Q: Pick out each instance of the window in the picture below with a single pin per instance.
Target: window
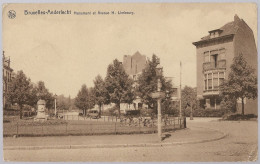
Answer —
(205, 82)
(221, 77)
(216, 34)
(215, 83)
(210, 76)
(213, 80)
(221, 80)
(209, 83)
(215, 60)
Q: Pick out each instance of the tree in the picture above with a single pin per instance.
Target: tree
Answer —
(20, 91)
(44, 94)
(82, 100)
(241, 83)
(147, 83)
(118, 84)
(189, 99)
(91, 98)
(228, 104)
(100, 92)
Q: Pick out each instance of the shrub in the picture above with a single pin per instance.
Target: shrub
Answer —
(204, 112)
(146, 112)
(228, 104)
(133, 113)
(235, 117)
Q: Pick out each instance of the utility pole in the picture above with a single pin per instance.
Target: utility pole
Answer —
(180, 90)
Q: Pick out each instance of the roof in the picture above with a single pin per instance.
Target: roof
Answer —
(226, 30)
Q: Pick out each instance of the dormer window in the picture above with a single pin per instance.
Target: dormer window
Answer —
(215, 33)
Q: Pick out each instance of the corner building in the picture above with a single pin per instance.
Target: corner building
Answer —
(7, 77)
(215, 53)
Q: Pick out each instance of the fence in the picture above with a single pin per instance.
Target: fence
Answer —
(108, 125)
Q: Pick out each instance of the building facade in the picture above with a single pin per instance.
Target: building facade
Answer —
(134, 65)
(215, 53)
(7, 76)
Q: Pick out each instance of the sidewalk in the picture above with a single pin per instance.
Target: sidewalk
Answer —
(189, 135)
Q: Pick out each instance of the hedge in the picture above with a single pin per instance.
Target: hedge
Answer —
(205, 112)
(234, 117)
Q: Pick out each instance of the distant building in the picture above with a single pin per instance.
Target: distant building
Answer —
(134, 65)
(7, 76)
(215, 53)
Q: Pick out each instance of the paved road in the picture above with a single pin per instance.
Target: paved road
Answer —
(240, 145)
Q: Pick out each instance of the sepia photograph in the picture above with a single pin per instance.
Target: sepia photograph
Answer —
(130, 82)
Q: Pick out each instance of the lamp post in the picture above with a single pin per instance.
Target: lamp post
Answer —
(159, 95)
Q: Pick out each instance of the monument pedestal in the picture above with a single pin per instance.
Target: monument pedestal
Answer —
(41, 111)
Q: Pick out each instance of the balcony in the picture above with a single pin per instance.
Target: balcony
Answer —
(211, 92)
(211, 65)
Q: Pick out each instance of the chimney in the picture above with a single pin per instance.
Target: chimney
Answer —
(236, 18)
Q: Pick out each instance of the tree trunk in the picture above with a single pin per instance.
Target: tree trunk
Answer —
(191, 113)
(100, 109)
(21, 111)
(243, 112)
(119, 112)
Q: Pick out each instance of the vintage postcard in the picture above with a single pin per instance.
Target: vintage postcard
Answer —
(130, 82)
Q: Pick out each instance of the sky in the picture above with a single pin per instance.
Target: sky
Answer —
(67, 51)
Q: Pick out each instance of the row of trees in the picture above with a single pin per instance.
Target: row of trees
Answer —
(23, 92)
(117, 87)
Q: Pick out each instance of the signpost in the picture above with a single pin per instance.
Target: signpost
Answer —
(159, 95)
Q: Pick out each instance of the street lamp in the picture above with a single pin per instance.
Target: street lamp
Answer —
(159, 95)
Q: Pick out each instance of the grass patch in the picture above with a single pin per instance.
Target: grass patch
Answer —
(32, 128)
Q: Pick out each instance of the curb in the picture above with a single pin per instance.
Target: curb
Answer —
(116, 145)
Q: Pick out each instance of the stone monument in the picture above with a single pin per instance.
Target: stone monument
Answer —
(41, 111)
